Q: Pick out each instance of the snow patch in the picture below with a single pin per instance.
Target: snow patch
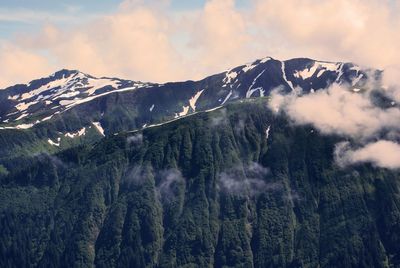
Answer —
(184, 112)
(284, 76)
(68, 102)
(267, 132)
(227, 97)
(60, 83)
(306, 73)
(250, 91)
(21, 116)
(99, 128)
(15, 97)
(24, 106)
(229, 77)
(67, 95)
(262, 92)
(47, 118)
(357, 79)
(71, 103)
(340, 69)
(248, 67)
(319, 66)
(97, 84)
(193, 100)
(54, 143)
(266, 59)
(24, 126)
(79, 133)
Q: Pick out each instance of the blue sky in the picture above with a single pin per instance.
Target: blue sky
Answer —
(19, 16)
(93, 5)
(51, 5)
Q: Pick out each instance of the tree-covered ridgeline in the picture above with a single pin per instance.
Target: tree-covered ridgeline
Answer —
(212, 190)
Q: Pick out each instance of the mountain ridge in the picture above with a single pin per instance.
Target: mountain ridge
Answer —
(57, 108)
(69, 81)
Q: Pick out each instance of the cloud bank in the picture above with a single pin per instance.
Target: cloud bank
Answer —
(382, 153)
(339, 110)
(150, 41)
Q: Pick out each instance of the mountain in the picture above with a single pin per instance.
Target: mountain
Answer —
(187, 174)
(66, 91)
(70, 107)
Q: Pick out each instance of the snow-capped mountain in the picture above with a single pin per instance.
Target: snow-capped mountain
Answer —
(67, 102)
(41, 99)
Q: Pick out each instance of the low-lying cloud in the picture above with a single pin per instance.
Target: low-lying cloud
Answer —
(246, 180)
(356, 115)
(338, 110)
(135, 140)
(169, 180)
(382, 153)
(219, 119)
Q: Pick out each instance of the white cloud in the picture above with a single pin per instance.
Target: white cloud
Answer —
(246, 179)
(338, 110)
(391, 82)
(382, 153)
(366, 32)
(219, 36)
(169, 180)
(146, 40)
(143, 41)
(20, 65)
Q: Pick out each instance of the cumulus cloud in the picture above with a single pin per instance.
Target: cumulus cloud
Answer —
(220, 37)
(131, 43)
(14, 62)
(338, 29)
(146, 40)
(382, 153)
(142, 41)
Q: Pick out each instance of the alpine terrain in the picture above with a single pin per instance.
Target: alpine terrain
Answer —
(108, 172)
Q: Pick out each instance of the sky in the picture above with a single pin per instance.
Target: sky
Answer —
(171, 40)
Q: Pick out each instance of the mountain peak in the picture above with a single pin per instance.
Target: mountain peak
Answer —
(65, 72)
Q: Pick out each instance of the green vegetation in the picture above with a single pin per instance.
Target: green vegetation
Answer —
(209, 190)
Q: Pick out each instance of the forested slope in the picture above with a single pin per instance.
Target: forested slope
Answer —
(236, 187)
